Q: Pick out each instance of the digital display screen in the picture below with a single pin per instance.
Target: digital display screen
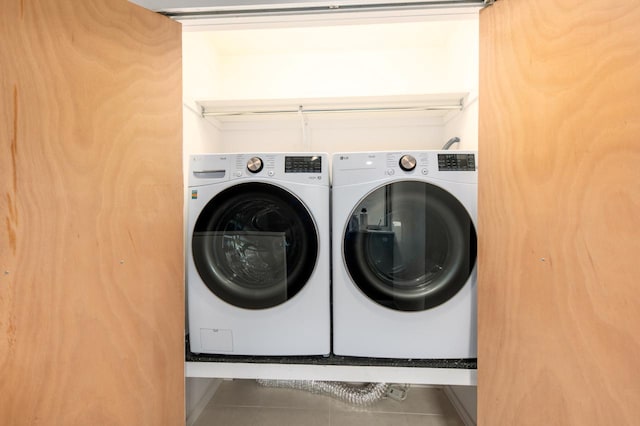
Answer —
(457, 162)
(310, 164)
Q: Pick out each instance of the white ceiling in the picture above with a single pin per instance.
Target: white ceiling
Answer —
(334, 38)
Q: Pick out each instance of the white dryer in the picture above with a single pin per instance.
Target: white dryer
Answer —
(404, 254)
(258, 273)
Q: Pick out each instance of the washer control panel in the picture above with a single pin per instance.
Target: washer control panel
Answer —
(292, 167)
(303, 164)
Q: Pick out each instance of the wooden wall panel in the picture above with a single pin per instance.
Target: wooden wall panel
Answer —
(559, 213)
(91, 266)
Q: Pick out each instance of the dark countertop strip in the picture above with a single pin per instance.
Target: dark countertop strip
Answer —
(471, 364)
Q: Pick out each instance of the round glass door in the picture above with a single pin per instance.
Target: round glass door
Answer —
(255, 245)
(410, 246)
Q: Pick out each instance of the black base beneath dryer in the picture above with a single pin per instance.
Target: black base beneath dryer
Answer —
(469, 364)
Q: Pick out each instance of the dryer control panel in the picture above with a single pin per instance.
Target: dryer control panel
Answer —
(357, 167)
(457, 162)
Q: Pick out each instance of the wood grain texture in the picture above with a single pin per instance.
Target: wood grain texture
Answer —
(559, 213)
(91, 278)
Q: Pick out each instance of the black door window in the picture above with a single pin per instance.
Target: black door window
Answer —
(410, 246)
(255, 245)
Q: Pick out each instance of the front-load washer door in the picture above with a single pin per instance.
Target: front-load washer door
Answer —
(409, 246)
(255, 245)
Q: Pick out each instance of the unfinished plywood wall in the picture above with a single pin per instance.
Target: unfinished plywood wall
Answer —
(91, 278)
(559, 213)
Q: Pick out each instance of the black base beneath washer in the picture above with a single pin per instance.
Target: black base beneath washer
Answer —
(469, 364)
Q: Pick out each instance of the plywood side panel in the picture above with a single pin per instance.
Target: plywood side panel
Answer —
(559, 213)
(91, 267)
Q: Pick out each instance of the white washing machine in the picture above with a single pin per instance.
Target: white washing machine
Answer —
(258, 262)
(404, 254)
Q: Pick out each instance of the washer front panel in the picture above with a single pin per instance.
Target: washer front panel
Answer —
(275, 220)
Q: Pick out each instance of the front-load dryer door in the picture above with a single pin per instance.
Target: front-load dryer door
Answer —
(409, 245)
(255, 245)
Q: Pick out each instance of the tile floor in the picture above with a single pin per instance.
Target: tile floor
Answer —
(244, 402)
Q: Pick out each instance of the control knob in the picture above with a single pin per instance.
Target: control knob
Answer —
(407, 163)
(254, 165)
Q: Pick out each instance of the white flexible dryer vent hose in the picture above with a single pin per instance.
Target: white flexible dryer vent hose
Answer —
(358, 395)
